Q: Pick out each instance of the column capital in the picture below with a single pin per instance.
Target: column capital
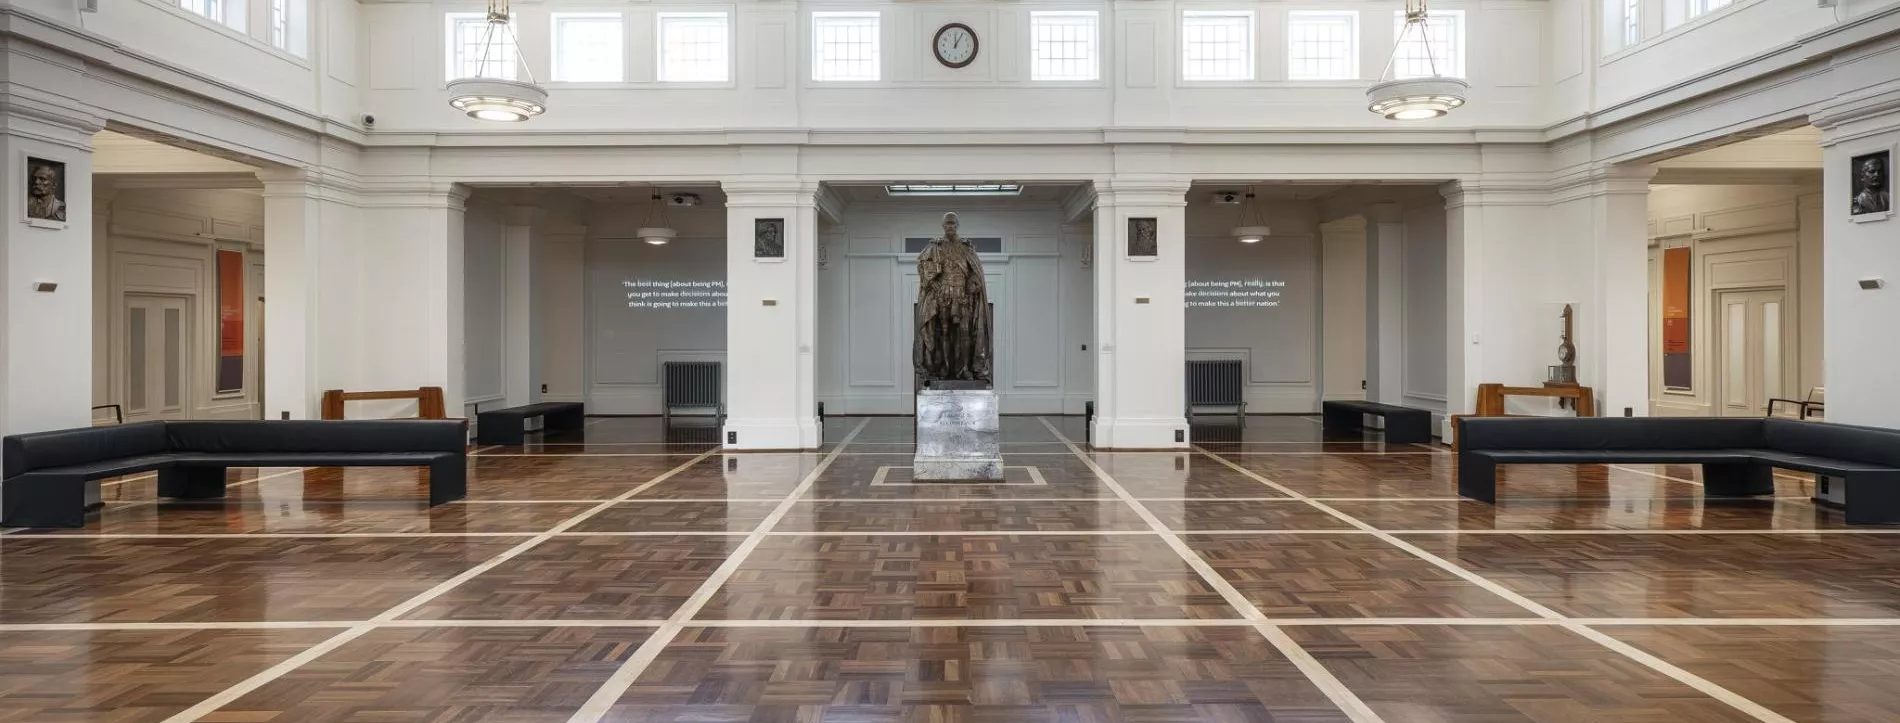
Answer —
(49, 118)
(1141, 191)
(769, 192)
(1852, 117)
(1481, 191)
(1609, 180)
(423, 194)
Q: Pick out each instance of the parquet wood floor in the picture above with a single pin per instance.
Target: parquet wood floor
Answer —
(630, 572)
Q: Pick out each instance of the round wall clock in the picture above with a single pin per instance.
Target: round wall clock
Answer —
(955, 45)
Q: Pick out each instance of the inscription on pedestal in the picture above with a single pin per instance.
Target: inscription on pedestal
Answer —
(957, 436)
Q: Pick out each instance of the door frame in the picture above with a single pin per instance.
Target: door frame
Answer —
(122, 348)
(1718, 343)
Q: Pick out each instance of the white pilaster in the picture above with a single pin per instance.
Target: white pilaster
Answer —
(521, 368)
(412, 292)
(1385, 303)
(46, 346)
(1500, 279)
(298, 235)
(771, 313)
(1860, 348)
(1140, 317)
(1614, 328)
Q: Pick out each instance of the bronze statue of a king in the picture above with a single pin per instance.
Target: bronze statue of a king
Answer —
(953, 311)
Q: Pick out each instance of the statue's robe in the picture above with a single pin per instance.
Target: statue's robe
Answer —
(953, 314)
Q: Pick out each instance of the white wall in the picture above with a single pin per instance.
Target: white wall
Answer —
(867, 285)
(1140, 82)
(1739, 237)
(163, 241)
(624, 347)
(1279, 345)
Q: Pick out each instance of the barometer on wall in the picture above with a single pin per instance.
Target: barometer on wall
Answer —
(955, 45)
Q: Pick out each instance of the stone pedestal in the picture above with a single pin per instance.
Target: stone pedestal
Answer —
(957, 436)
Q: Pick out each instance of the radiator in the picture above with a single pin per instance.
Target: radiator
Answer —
(1216, 383)
(692, 384)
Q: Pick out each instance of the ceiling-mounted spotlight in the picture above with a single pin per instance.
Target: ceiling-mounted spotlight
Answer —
(658, 233)
(1250, 227)
(503, 100)
(1417, 98)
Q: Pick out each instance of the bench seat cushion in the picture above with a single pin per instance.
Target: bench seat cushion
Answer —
(1374, 407)
(309, 459)
(112, 467)
(1612, 456)
(532, 410)
(1816, 463)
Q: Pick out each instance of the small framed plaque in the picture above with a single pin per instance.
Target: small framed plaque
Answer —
(1870, 186)
(768, 238)
(1144, 238)
(45, 193)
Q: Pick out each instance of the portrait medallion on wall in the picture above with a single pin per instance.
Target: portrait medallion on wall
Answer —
(1144, 237)
(768, 238)
(1870, 186)
(45, 193)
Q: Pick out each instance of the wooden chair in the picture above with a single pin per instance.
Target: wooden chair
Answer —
(1812, 407)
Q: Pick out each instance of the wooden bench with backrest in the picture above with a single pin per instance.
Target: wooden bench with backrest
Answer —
(510, 426)
(1403, 425)
(46, 473)
(1738, 454)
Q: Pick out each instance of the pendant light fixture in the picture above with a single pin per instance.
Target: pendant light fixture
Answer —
(1418, 98)
(502, 100)
(1250, 227)
(660, 233)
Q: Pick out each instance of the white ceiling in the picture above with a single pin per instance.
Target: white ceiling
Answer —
(122, 154)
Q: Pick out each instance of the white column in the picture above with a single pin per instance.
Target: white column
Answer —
(1464, 275)
(46, 276)
(521, 334)
(1385, 303)
(1140, 317)
(1614, 326)
(771, 397)
(412, 293)
(1857, 250)
(295, 237)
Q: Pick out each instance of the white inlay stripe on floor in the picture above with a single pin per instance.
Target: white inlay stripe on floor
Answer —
(1335, 691)
(266, 676)
(1685, 677)
(602, 701)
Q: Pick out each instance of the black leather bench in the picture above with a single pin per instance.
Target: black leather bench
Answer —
(46, 473)
(509, 426)
(1403, 425)
(1738, 455)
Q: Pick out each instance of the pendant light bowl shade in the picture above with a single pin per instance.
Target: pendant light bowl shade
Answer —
(1416, 98)
(1251, 234)
(657, 236)
(496, 99)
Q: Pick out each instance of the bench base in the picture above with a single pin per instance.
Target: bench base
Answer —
(1402, 425)
(1873, 498)
(508, 427)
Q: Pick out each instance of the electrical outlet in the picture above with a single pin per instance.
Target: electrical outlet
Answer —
(1180, 435)
(544, 389)
(283, 415)
(1628, 412)
(732, 438)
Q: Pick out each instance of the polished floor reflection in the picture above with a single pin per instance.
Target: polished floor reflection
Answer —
(628, 572)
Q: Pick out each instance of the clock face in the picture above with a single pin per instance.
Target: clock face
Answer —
(955, 45)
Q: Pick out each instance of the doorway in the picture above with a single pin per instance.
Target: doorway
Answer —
(1751, 356)
(156, 355)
